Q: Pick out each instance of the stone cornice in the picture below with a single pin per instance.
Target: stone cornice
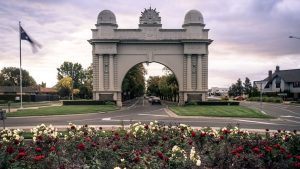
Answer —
(193, 24)
(92, 41)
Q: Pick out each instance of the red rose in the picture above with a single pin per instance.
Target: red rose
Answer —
(160, 155)
(146, 127)
(52, 148)
(222, 137)
(193, 134)
(289, 156)
(136, 159)
(39, 158)
(39, 137)
(190, 142)
(282, 150)
(233, 152)
(38, 149)
(297, 157)
(81, 146)
(166, 159)
(256, 150)
(297, 164)
(276, 146)
(240, 149)
(20, 155)
(203, 134)
(10, 150)
(268, 149)
(21, 150)
(164, 138)
(245, 159)
(226, 131)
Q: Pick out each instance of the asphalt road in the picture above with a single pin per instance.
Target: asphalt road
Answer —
(287, 117)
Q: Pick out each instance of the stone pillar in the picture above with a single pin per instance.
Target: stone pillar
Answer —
(189, 72)
(111, 72)
(119, 99)
(181, 98)
(199, 73)
(101, 86)
(95, 75)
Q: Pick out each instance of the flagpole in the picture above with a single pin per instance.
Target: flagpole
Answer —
(21, 91)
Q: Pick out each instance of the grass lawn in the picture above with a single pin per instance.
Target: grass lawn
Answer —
(63, 110)
(217, 111)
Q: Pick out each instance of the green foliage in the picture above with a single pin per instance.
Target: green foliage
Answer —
(81, 79)
(267, 99)
(134, 82)
(86, 102)
(153, 145)
(10, 76)
(166, 87)
(247, 86)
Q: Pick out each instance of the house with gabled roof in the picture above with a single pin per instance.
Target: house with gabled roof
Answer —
(282, 82)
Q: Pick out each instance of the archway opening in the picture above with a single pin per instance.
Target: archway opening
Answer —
(150, 80)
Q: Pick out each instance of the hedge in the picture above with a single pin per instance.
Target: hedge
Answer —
(215, 103)
(87, 102)
(267, 99)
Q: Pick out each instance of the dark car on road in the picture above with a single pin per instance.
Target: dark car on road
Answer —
(155, 100)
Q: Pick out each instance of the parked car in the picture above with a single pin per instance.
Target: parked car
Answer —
(150, 99)
(155, 100)
(239, 98)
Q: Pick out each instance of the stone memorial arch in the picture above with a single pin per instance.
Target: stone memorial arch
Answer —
(184, 51)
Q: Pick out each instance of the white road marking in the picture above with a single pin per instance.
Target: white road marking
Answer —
(287, 116)
(259, 122)
(263, 112)
(106, 119)
(156, 115)
(292, 121)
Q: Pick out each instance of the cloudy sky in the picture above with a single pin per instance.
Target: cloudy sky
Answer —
(250, 36)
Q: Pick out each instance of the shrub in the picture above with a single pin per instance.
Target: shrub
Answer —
(267, 99)
(219, 103)
(87, 102)
(152, 145)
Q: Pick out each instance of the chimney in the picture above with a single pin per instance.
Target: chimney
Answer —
(270, 75)
(277, 69)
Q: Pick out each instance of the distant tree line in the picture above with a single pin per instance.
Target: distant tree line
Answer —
(72, 78)
(246, 88)
(134, 82)
(10, 76)
(165, 87)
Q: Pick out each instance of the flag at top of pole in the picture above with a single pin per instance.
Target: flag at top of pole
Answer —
(34, 45)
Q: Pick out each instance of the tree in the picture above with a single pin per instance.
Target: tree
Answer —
(134, 82)
(86, 89)
(236, 89)
(10, 76)
(247, 87)
(82, 78)
(153, 86)
(64, 86)
(75, 71)
(43, 84)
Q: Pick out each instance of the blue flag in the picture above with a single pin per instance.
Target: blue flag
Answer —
(34, 44)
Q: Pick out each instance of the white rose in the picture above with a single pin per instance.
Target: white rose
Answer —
(198, 163)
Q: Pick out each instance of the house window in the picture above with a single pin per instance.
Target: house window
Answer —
(296, 84)
(278, 81)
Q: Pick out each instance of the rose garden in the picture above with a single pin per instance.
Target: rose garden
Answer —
(153, 145)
